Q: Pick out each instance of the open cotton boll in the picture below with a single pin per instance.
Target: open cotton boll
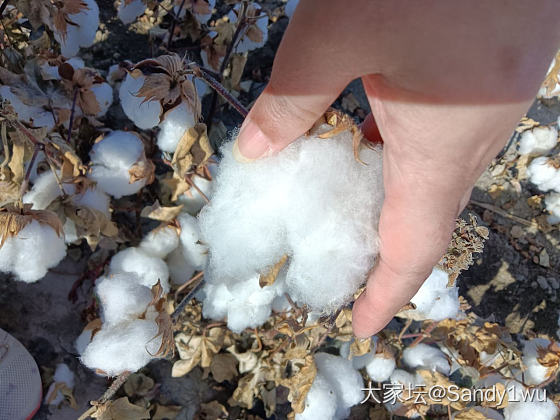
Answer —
(144, 114)
(62, 375)
(346, 382)
(29, 254)
(160, 242)
(434, 300)
(191, 200)
(149, 269)
(290, 8)
(246, 44)
(294, 204)
(104, 95)
(129, 11)
(180, 270)
(320, 402)
(542, 172)
(81, 31)
(45, 190)
(426, 357)
(94, 198)
(552, 202)
(194, 252)
(112, 159)
(33, 115)
(539, 140)
(380, 368)
(125, 346)
(535, 373)
(174, 125)
(122, 297)
(534, 410)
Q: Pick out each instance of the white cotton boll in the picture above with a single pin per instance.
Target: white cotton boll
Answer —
(94, 198)
(149, 269)
(144, 115)
(434, 300)
(192, 200)
(125, 346)
(35, 249)
(535, 373)
(380, 368)
(122, 297)
(216, 299)
(33, 115)
(112, 158)
(194, 252)
(400, 376)
(294, 204)
(180, 270)
(62, 375)
(160, 242)
(45, 190)
(245, 44)
(539, 140)
(346, 381)
(320, 402)
(81, 33)
(104, 95)
(426, 357)
(544, 175)
(534, 410)
(359, 362)
(552, 202)
(290, 8)
(176, 122)
(129, 12)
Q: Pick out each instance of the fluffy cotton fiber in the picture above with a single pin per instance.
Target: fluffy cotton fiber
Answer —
(335, 389)
(33, 115)
(543, 173)
(112, 158)
(174, 125)
(81, 32)
(150, 269)
(535, 373)
(552, 202)
(160, 242)
(144, 114)
(434, 300)
(426, 357)
(35, 249)
(539, 140)
(295, 204)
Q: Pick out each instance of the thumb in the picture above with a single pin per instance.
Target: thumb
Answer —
(305, 81)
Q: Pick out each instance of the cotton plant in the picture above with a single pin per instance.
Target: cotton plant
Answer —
(426, 357)
(255, 33)
(335, 389)
(31, 242)
(540, 360)
(119, 165)
(293, 204)
(200, 9)
(75, 25)
(544, 173)
(160, 91)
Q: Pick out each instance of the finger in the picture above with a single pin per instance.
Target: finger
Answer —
(305, 81)
(414, 234)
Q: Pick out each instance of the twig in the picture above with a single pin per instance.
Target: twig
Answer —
(407, 324)
(192, 184)
(3, 7)
(241, 23)
(172, 29)
(69, 139)
(36, 149)
(219, 88)
(503, 213)
(186, 300)
(115, 386)
(188, 283)
(424, 335)
(330, 326)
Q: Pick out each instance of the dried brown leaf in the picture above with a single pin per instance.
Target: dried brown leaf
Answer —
(269, 277)
(193, 151)
(224, 367)
(120, 409)
(163, 214)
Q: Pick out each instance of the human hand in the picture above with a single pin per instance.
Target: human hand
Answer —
(446, 81)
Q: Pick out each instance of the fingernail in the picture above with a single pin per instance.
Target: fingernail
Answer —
(251, 143)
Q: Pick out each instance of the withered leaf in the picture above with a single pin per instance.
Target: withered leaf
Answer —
(268, 278)
(144, 168)
(166, 412)
(138, 384)
(223, 367)
(472, 414)
(163, 214)
(13, 220)
(193, 150)
(300, 383)
(120, 409)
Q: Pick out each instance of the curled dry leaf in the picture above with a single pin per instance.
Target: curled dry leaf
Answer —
(300, 382)
(162, 214)
(144, 168)
(120, 409)
(552, 77)
(163, 321)
(224, 367)
(13, 220)
(549, 357)
(268, 278)
(215, 46)
(81, 81)
(193, 151)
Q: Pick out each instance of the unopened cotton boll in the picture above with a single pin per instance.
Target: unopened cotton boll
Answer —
(35, 116)
(122, 297)
(160, 242)
(144, 114)
(29, 254)
(426, 357)
(104, 95)
(81, 31)
(112, 158)
(434, 300)
(195, 253)
(62, 375)
(129, 11)
(543, 173)
(552, 202)
(174, 125)
(148, 268)
(246, 44)
(125, 346)
(539, 140)
(294, 204)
